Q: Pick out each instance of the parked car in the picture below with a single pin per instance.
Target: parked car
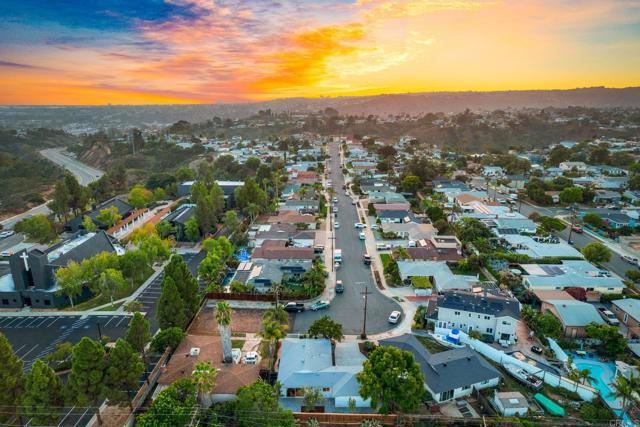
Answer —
(294, 307)
(362, 236)
(7, 233)
(339, 287)
(335, 209)
(320, 305)
(360, 225)
(354, 202)
(394, 317)
(251, 358)
(336, 224)
(630, 260)
(335, 200)
(381, 246)
(613, 207)
(608, 316)
(6, 253)
(366, 258)
(577, 229)
(375, 227)
(536, 349)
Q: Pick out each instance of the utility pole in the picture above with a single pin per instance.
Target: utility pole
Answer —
(365, 294)
(573, 217)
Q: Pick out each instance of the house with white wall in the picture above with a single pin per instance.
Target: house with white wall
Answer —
(492, 314)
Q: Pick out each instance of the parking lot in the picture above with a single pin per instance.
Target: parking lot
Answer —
(33, 337)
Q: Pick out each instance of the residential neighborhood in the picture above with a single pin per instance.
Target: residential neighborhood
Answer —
(285, 279)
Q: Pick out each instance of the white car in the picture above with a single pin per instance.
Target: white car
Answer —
(335, 209)
(5, 234)
(362, 236)
(360, 225)
(375, 227)
(394, 317)
(6, 253)
(630, 259)
(335, 200)
(336, 224)
(251, 358)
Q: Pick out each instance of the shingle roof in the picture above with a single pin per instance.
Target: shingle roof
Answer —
(98, 243)
(449, 369)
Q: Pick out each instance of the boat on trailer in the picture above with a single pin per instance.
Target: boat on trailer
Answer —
(523, 376)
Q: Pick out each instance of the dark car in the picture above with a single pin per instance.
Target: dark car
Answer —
(536, 349)
(294, 307)
(339, 287)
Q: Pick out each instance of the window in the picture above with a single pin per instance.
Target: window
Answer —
(504, 322)
(326, 389)
(469, 314)
(457, 313)
(487, 317)
(37, 301)
(47, 302)
(489, 330)
(5, 302)
(446, 395)
(466, 387)
(478, 316)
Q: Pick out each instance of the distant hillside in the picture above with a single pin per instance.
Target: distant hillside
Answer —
(411, 103)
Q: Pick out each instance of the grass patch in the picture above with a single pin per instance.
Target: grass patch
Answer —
(386, 260)
(421, 282)
(100, 299)
(431, 345)
(111, 307)
(237, 344)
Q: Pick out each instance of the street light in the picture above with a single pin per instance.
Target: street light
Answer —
(573, 217)
(365, 294)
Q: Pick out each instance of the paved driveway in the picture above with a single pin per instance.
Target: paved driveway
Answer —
(348, 308)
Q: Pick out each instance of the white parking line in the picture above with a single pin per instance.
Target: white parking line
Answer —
(21, 322)
(110, 320)
(123, 318)
(67, 415)
(55, 319)
(44, 320)
(32, 348)
(20, 348)
(35, 319)
(81, 417)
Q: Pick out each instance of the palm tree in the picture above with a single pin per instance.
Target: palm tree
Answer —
(624, 391)
(272, 331)
(253, 210)
(223, 317)
(584, 375)
(204, 376)
(276, 314)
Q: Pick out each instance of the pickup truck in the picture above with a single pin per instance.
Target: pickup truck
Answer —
(294, 307)
(608, 316)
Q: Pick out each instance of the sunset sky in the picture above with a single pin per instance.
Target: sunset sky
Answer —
(206, 51)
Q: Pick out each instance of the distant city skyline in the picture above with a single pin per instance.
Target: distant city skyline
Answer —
(204, 51)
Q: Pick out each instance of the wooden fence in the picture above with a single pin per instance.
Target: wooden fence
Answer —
(240, 296)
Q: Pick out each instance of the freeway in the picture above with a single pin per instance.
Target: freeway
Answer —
(616, 264)
(84, 173)
(348, 308)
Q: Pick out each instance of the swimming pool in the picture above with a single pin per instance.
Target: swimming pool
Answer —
(603, 377)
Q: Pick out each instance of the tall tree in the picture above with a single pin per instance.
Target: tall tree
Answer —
(139, 197)
(596, 252)
(204, 211)
(273, 332)
(109, 216)
(169, 337)
(111, 282)
(216, 196)
(250, 193)
(78, 195)
(257, 404)
(173, 407)
(325, 327)
(42, 395)
(204, 376)
(624, 391)
(233, 225)
(59, 204)
(223, 318)
(123, 372)
(186, 284)
(139, 334)
(170, 306)
(71, 279)
(392, 379)
(192, 230)
(11, 380)
(86, 380)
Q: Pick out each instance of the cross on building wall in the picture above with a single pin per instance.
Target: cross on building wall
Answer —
(25, 258)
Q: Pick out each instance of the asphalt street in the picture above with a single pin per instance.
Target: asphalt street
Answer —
(348, 308)
(84, 173)
(616, 264)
